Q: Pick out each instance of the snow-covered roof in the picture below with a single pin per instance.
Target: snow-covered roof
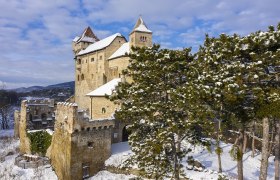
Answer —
(76, 39)
(141, 26)
(87, 36)
(87, 39)
(105, 89)
(121, 51)
(100, 44)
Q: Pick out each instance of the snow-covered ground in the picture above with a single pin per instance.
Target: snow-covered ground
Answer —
(106, 175)
(121, 151)
(7, 133)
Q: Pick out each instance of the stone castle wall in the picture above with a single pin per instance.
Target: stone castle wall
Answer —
(29, 118)
(92, 71)
(24, 140)
(79, 142)
(102, 108)
(135, 39)
(16, 124)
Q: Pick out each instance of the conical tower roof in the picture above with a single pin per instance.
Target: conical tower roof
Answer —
(140, 26)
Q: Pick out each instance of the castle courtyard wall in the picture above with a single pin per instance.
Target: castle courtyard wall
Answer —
(102, 107)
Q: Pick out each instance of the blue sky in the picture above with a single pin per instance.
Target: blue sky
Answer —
(36, 35)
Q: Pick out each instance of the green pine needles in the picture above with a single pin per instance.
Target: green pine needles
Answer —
(39, 141)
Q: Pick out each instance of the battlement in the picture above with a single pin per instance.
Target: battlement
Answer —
(39, 102)
(71, 119)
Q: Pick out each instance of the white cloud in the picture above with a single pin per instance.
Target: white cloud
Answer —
(35, 36)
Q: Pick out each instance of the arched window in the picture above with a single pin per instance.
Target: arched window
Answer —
(82, 77)
(103, 110)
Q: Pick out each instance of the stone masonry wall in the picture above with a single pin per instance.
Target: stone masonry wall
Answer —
(24, 140)
(16, 126)
(102, 108)
(79, 142)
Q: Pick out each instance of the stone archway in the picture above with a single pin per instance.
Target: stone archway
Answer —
(125, 134)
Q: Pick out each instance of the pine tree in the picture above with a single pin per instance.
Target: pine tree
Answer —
(242, 76)
(162, 106)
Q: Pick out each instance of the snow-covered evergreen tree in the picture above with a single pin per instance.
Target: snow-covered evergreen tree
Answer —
(242, 79)
(162, 106)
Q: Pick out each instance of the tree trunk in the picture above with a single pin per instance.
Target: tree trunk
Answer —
(277, 149)
(240, 154)
(219, 149)
(271, 146)
(253, 140)
(176, 147)
(245, 143)
(265, 149)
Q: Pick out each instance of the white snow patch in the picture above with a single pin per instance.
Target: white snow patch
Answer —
(100, 44)
(120, 153)
(106, 89)
(121, 51)
(106, 175)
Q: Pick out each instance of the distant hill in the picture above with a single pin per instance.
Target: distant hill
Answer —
(65, 85)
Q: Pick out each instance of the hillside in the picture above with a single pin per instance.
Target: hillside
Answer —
(65, 85)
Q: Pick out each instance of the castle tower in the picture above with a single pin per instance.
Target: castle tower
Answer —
(140, 35)
(82, 42)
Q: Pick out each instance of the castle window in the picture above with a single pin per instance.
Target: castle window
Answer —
(91, 76)
(83, 129)
(100, 57)
(85, 167)
(143, 38)
(90, 144)
(86, 61)
(36, 112)
(78, 77)
(82, 77)
(103, 110)
(79, 61)
(92, 59)
(88, 129)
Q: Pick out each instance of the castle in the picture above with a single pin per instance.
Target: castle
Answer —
(85, 126)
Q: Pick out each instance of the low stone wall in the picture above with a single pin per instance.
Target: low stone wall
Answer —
(29, 161)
